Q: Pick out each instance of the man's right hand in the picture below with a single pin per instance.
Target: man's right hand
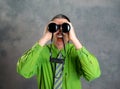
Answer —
(46, 36)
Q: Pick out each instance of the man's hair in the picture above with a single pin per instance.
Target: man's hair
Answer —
(60, 16)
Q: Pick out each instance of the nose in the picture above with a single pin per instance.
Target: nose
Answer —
(60, 30)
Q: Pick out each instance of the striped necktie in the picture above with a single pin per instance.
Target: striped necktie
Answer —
(58, 74)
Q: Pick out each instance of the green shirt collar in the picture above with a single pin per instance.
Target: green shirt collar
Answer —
(63, 51)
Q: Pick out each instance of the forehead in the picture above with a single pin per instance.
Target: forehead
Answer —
(60, 20)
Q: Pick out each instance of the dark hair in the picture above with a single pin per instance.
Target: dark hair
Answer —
(60, 16)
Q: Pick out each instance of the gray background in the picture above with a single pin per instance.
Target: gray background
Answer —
(96, 22)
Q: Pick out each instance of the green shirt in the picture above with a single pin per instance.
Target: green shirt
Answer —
(36, 61)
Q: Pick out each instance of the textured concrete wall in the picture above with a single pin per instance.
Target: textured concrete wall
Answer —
(97, 24)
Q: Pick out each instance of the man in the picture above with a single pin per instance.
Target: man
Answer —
(44, 60)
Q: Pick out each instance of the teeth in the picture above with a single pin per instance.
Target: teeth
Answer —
(59, 36)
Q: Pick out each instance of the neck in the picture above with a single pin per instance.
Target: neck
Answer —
(59, 46)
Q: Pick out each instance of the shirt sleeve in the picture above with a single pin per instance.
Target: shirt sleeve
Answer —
(27, 64)
(89, 64)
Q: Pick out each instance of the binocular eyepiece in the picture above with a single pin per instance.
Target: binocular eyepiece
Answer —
(53, 27)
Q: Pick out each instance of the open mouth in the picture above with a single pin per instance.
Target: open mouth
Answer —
(60, 35)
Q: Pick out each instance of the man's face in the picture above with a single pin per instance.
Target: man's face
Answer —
(57, 38)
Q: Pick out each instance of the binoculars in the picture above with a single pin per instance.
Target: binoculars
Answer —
(53, 27)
